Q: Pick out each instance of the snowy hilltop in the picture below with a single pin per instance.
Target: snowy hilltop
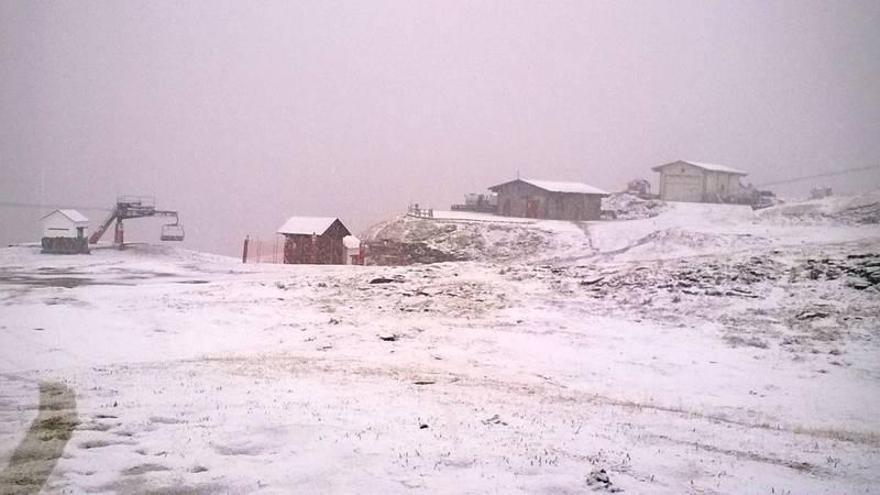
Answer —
(701, 349)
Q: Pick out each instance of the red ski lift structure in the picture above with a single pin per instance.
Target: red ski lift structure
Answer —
(129, 207)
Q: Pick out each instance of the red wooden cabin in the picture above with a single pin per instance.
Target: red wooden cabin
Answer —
(314, 240)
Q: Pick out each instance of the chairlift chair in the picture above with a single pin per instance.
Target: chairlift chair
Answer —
(172, 232)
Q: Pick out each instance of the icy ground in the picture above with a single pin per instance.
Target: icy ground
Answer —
(705, 350)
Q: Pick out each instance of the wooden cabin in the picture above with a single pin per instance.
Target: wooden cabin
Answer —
(314, 241)
(549, 199)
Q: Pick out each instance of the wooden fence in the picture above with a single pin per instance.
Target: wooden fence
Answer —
(415, 211)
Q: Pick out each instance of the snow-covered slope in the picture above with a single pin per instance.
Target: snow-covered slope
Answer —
(862, 209)
(466, 236)
(704, 350)
(676, 230)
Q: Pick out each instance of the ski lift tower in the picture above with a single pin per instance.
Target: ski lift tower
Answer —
(128, 207)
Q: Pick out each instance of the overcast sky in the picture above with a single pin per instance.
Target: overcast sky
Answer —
(240, 114)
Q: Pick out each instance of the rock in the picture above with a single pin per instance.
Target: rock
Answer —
(599, 480)
(624, 206)
(860, 256)
(494, 420)
(383, 280)
(598, 476)
(388, 337)
(592, 281)
(811, 314)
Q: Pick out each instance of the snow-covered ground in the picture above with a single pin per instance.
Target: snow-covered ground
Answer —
(706, 350)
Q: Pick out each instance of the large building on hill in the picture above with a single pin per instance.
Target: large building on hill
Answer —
(549, 199)
(700, 182)
(314, 240)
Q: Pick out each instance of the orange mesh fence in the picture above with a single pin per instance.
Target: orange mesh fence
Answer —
(265, 250)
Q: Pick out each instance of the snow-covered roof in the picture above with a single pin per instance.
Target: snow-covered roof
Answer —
(72, 215)
(307, 225)
(557, 186)
(351, 242)
(712, 167)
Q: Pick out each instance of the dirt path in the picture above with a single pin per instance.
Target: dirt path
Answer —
(36, 455)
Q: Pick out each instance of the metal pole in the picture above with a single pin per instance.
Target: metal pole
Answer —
(244, 249)
(119, 234)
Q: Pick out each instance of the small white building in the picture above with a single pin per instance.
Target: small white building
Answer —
(64, 232)
(65, 223)
(352, 250)
(700, 182)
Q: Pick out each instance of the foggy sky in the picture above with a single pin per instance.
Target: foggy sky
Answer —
(239, 114)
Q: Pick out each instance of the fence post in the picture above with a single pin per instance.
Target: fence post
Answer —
(244, 249)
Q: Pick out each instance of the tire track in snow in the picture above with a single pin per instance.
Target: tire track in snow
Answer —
(34, 459)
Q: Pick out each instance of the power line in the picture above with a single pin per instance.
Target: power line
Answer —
(816, 176)
(15, 204)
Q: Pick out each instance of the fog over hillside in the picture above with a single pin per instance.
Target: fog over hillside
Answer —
(440, 246)
(703, 348)
(240, 115)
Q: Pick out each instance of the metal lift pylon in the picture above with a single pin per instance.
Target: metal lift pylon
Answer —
(128, 207)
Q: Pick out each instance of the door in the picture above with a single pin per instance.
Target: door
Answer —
(532, 206)
(683, 188)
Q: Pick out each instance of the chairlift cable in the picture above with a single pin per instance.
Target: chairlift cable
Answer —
(16, 204)
(816, 176)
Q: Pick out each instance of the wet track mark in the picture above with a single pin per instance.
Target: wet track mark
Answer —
(36, 455)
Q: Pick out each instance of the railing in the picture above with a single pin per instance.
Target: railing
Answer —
(415, 211)
(136, 200)
(477, 208)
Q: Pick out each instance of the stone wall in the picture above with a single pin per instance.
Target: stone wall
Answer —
(65, 245)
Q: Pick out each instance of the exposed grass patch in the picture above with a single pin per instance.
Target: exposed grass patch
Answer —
(34, 459)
